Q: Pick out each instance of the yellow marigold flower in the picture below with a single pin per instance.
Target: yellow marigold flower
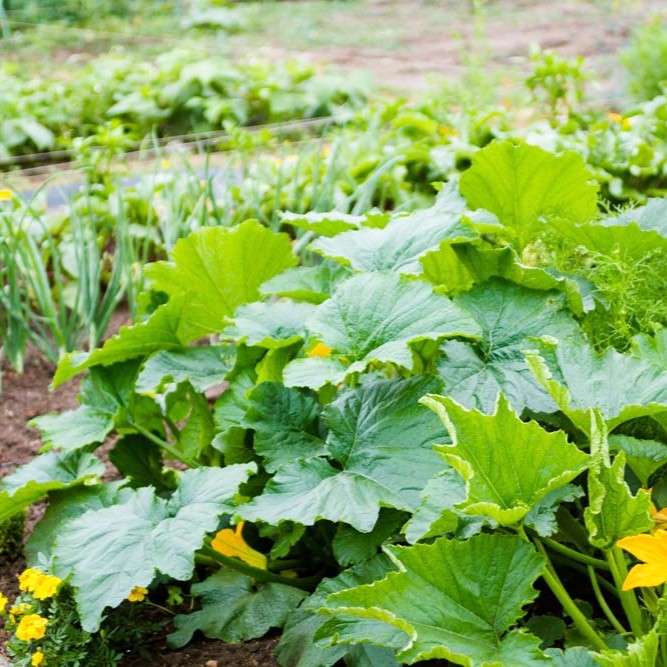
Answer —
(652, 549)
(230, 542)
(320, 350)
(28, 579)
(4, 601)
(6, 194)
(19, 610)
(37, 659)
(32, 626)
(138, 594)
(46, 587)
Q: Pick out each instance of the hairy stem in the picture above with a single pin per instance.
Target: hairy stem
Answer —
(619, 571)
(568, 604)
(603, 603)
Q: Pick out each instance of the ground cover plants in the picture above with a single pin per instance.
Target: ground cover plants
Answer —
(395, 437)
(180, 92)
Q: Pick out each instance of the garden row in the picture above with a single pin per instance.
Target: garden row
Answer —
(419, 453)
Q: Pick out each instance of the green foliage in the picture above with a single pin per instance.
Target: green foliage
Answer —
(644, 60)
(11, 536)
(272, 433)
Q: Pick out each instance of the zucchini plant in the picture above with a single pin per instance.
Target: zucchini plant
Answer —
(392, 437)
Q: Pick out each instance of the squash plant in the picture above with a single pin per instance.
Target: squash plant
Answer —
(394, 440)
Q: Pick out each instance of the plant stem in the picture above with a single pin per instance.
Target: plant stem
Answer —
(567, 602)
(575, 555)
(255, 573)
(163, 444)
(603, 603)
(161, 608)
(619, 571)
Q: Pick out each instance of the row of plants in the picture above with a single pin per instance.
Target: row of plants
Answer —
(180, 92)
(65, 272)
(394, 437)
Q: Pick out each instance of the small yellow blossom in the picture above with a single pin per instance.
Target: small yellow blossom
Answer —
(3, 603)
(28, 579)
(37, 659)
(6, 194)
(19, 610)
(619, 120)
(46, 587)
(230, 542)
(32, 626)
(320, 350)
(138, 594)
(652, 549)
(165, 164)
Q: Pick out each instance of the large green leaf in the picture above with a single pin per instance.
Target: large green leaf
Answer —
(651, 216)
(161, 331)
(437, 513)
(74, 428)
(508, 465)
(375, 317)
(455, 600)
(613, 512)
(351, 547)
(509, 317)
(327, 223)
(202, 367)
(298, 647)
(33, 481)
(270, 325)
(526, 187)
(621, 386)
(285, 422)
(67, 504)
(403, 241)
(306, 283)
(644, 457)
(218, 269)
(107, 552)
(235, 608)
(377, 432)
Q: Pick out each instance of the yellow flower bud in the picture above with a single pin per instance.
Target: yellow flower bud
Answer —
(37, 659)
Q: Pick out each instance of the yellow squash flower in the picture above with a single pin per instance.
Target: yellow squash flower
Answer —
(4, 601)
(37, 659)
(138, 594)
(230, 542)
(659, 516)
(320, 350)
(32, 626)
(652, 549)
(28, 579)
